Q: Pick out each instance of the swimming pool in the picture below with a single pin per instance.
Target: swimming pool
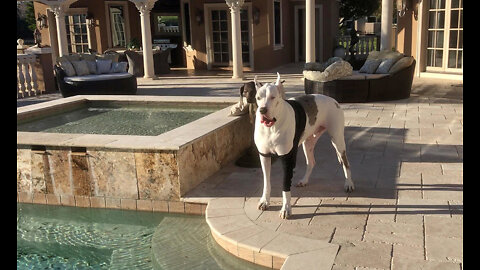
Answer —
(59, 237)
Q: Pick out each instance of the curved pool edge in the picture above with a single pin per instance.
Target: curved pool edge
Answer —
(235, 231)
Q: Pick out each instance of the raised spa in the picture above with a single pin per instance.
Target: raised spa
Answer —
(126, 147)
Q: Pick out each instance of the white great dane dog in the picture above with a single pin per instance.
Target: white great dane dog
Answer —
(282, 125)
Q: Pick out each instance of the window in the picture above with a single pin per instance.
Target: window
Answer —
(277, 23)
(117, 25)
(77, 36)
(445, 35)
(166, 24)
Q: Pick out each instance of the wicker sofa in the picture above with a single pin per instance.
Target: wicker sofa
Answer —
(108, 82)
(367, 87)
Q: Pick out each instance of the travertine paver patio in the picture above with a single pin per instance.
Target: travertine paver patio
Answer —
(406, 158)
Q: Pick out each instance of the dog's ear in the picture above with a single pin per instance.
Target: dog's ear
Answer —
(277, 83)
(257, 84)
(242, 89)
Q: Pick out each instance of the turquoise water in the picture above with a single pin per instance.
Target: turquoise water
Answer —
(58, 237)
(145, 120)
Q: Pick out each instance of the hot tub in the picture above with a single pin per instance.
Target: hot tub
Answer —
(129, 164)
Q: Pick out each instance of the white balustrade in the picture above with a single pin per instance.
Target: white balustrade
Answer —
(365, 44)
(27, 84)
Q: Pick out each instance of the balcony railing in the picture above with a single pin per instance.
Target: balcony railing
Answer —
(27, 84)
(364, 46)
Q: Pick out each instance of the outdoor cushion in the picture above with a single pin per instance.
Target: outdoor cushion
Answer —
(330, 61)
(385, 65)
(370, 66)
(92, 66)
(81, 67)
(100, 77)
(87, 56)
(384, 54)
(71, 57)
(401, 64)
(336, 70)
(67, 67)
(315, 66)
(375, 76)
(118, 67)
(355, 76)
(112, 57)
(103, 66)
(321, 66)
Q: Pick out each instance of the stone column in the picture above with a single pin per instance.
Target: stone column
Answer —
(144, 7)
(386, 27)
(235, 6)
(310, 31)
(59, 12)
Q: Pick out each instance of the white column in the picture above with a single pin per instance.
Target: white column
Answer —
(59, 12)
(235, 6)
(386, 28)
(144, 7)
(310, 31)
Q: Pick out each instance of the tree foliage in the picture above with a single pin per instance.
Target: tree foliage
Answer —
(354, 9)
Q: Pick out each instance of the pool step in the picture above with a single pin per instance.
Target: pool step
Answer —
(187, 244)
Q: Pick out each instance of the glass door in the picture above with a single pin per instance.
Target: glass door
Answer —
(445, 36)
(77, 35)
(221, 37)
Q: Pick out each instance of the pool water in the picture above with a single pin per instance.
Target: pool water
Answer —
(142, 120)
(59, 237)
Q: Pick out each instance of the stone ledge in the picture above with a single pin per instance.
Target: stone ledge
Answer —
(234, 231)
(112, 203)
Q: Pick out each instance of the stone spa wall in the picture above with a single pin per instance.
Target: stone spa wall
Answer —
(119, 171)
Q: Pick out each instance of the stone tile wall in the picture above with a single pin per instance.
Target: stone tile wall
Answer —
(126, 178)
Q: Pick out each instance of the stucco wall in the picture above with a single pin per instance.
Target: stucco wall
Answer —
(265, 56)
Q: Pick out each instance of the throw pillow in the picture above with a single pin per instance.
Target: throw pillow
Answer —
(92, 66)
(67, 67)
(401, 64)
(119, 67)
(370, 66)
(385, 66)
(81, 67)
(103, 66)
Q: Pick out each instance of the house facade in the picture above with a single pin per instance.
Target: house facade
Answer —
(432, 32)
(273, 32)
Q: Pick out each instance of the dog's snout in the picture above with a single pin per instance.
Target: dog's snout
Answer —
(263, 110)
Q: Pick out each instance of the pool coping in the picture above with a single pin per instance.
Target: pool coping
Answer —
(237, 233)
(170, 140)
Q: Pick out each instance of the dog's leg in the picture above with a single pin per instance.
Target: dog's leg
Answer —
(308, 150)
(288, 164)
(266, 167)
(286, 210)
(338, 142)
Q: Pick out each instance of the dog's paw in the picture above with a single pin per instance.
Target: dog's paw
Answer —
(262, 205)
(285, 213)
(301, 184)
(349, 186)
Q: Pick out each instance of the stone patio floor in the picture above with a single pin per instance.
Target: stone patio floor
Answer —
(406, 158)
